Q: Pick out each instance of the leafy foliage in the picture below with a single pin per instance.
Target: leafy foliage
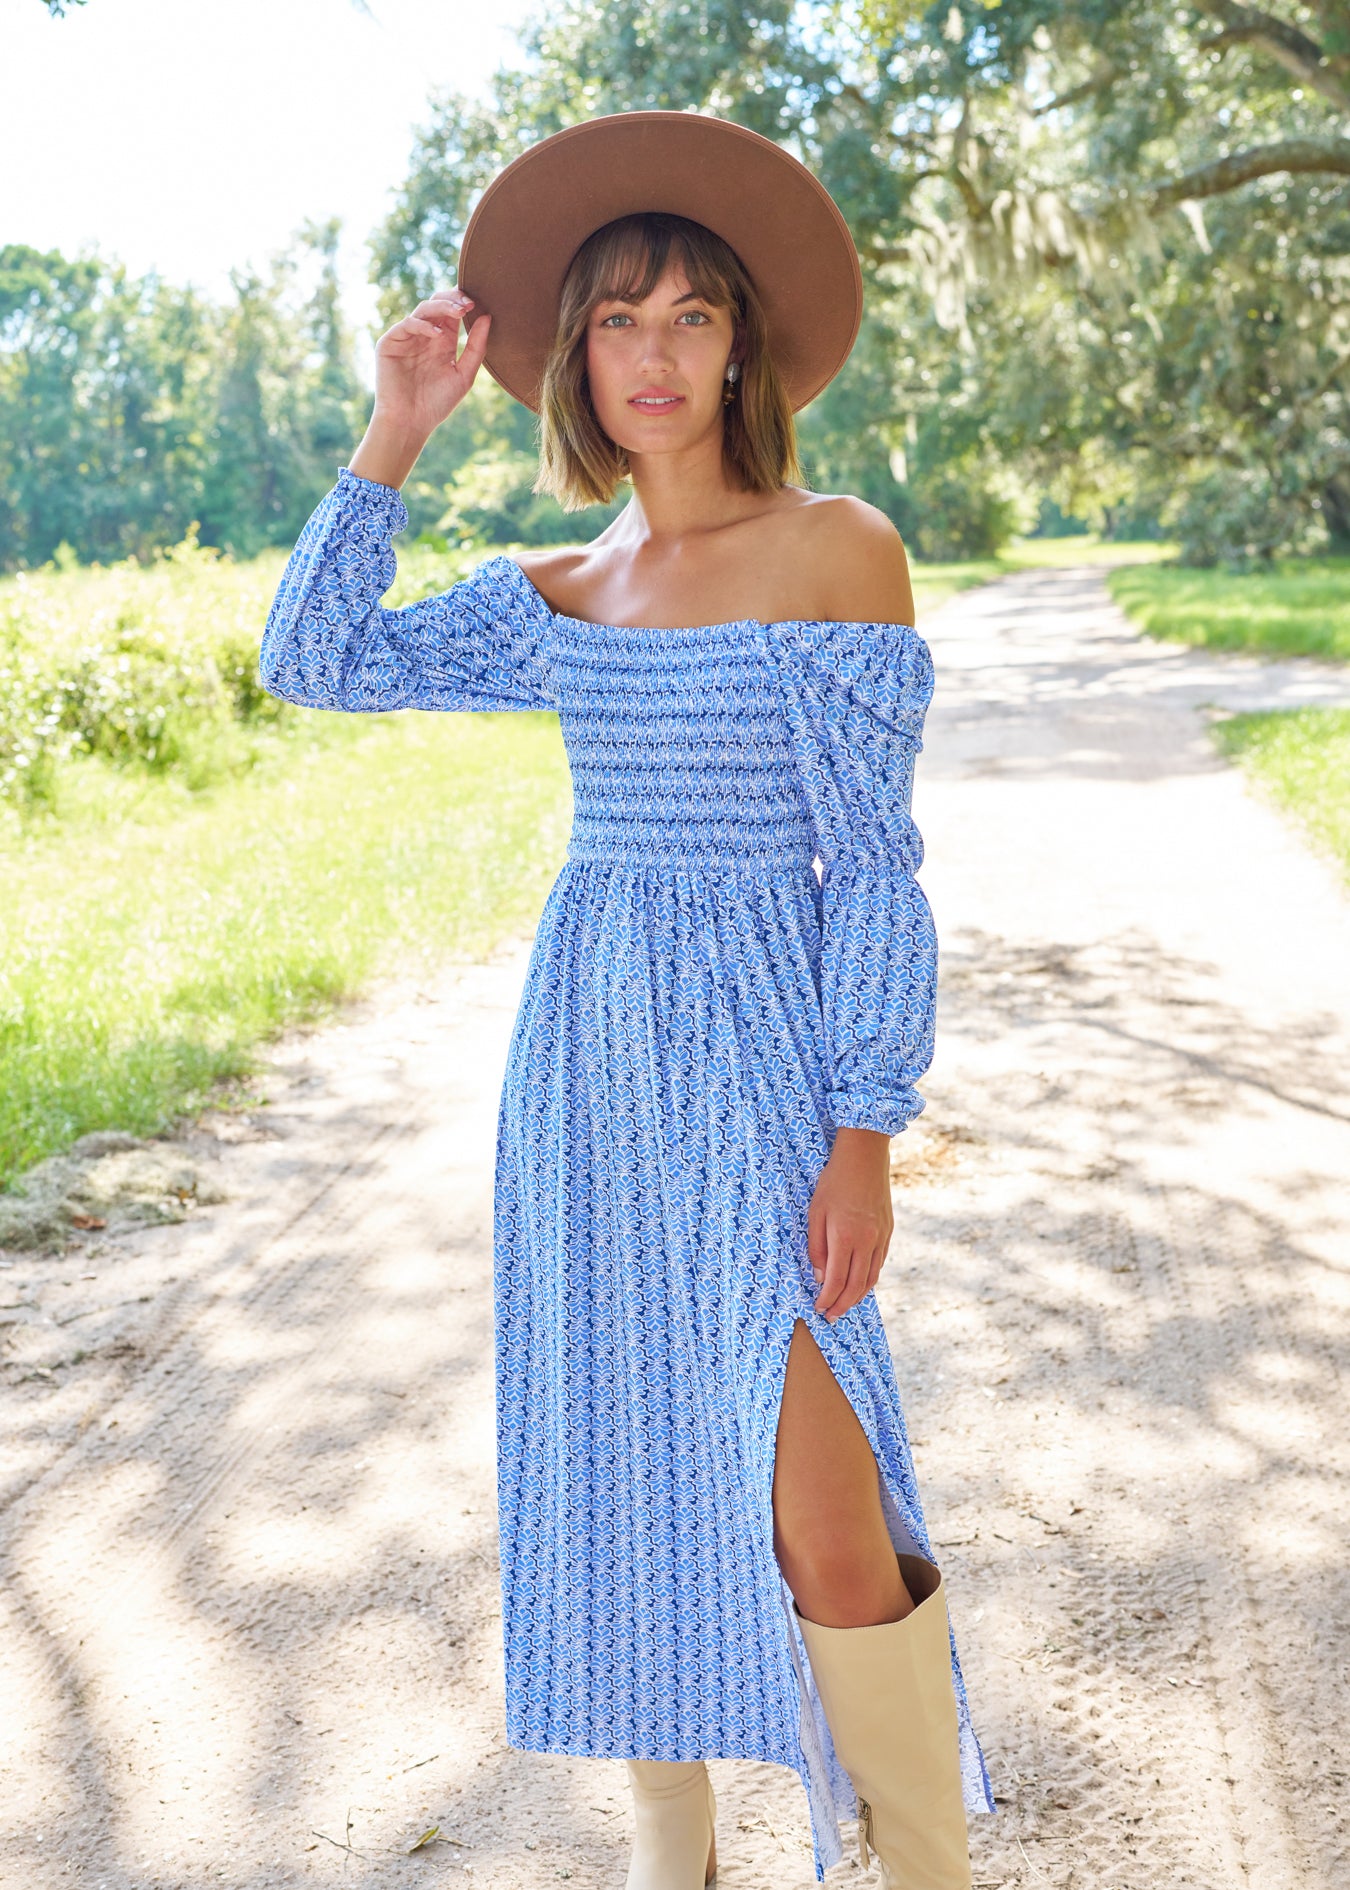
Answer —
(150, 667)
(1105, 243)
(131, 410)
(1106, 247)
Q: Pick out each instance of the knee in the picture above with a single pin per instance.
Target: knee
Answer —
(838, 1575)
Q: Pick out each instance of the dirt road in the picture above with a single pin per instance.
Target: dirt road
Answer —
(249, 1576)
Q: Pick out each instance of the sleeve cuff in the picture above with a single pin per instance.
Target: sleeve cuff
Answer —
(869, 1109)
(373, 500)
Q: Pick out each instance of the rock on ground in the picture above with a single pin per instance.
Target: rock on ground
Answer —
(107, 1180)
(249, 1597)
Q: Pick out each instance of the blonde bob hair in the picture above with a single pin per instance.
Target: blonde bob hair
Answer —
(579, 464)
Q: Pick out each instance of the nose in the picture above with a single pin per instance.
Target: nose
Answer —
(656, 351)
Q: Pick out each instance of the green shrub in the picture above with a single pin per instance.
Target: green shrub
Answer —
(151, 666)
(1242, 517)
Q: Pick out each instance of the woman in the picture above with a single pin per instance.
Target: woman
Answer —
(712, 1544)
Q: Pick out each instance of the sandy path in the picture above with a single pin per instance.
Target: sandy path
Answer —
(249, 1579)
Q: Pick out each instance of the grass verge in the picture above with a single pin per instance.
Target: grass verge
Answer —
(1301, 607)
(1301, 758)
(151, 936)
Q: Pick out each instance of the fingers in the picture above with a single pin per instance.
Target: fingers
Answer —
(830, 1264)
(874, 1271)
(829, 1259)
(883, 1247)
(445, 307)
(439, 314)
(848, 1278)
(442, 313)
(845, 1269)
(832, 1288)
(475, 346)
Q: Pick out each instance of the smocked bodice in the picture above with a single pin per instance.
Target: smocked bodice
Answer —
(680, 753)
(742, 750)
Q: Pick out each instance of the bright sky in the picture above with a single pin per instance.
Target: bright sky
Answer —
(191, 136)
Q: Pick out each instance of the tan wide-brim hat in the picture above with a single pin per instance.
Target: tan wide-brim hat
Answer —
(780, 220)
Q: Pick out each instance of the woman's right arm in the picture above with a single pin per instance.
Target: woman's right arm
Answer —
(329, 643)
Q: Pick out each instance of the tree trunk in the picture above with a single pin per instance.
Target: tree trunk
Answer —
(1336, 512)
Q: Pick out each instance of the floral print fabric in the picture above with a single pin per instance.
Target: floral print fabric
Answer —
(701, 1010)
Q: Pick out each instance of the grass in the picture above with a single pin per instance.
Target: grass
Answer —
(1299, 608)
(152, 936)
(190, 864)
(1025, 554)
(1301, 758)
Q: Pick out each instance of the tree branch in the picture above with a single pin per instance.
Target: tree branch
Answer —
(976, 207)
(898, 140)
(1302, 402)
(1329, 156)
(1286, 44)
(1101, 81)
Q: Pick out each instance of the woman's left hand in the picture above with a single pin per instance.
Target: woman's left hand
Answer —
(850, 1221)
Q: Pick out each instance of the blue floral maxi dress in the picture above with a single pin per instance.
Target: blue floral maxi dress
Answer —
(700, 1011)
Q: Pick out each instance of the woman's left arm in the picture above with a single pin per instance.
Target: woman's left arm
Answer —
(879, 997)
(858, 692)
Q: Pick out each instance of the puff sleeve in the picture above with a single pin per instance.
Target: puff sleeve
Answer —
(856, 696)
(329, 644)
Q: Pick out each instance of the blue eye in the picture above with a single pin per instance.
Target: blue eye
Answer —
(696, 314)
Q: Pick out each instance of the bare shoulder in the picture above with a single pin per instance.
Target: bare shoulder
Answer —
(860, 573)
(553, 570)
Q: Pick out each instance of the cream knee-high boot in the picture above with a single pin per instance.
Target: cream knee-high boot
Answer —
(675, 1847)
(891, 1707)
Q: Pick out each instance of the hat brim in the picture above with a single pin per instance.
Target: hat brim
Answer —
(781, 221)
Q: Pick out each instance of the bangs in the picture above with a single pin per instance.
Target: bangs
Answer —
(625, 261)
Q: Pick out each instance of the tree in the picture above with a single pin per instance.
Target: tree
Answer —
(103, 396)
(1119, 179)
(130, 408)
(288, 402)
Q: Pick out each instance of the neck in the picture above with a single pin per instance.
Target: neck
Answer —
(681, 495)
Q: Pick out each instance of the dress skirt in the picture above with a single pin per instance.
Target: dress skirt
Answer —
(734, 960)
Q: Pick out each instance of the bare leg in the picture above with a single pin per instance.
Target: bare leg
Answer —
(830, 1536)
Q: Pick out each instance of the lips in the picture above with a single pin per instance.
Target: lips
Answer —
(655, 402)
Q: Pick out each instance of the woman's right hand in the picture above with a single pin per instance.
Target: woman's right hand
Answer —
(419, 378)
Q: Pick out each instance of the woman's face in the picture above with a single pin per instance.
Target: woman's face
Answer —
(656, 368)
